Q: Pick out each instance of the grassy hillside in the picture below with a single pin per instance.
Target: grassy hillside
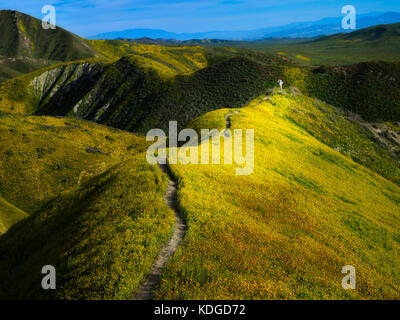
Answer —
(286, 231)
(46, 156)
(378, 43)
(81, 196)
(377, 36)
(117, 73)
(25, 46)
(139, 93)
(371, 89)
(102, 237)
(9, 215)
(346, 134)
(89, 191)
(13, 67)
(231, 82)
(138, 86)
(169, 60)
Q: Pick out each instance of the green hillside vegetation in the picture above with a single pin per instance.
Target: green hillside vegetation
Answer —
(184, 59)
(14, 67)
(286, 231)
(378, 43)
(370, 89)
(229, 83)
(136, 93)
(18, 95)
(349, 136)
(44, 159)
(102, 238)
(80, 195)
(137, 87)
(377, 36)
(172, 60)
(96, 209)
(9, 215)
(25, 46)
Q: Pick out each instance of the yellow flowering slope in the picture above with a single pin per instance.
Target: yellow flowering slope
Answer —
(286, 231)
(96, 209)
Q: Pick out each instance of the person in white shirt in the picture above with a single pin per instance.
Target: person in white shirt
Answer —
(280, 84)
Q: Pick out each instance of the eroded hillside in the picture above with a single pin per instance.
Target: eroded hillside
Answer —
(139, 93)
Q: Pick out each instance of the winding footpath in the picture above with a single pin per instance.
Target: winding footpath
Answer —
(148, 286)
(152, 279)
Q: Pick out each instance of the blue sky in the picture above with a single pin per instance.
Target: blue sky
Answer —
(90, 17)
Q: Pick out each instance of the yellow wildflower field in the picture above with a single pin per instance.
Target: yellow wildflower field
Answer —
(287, 230)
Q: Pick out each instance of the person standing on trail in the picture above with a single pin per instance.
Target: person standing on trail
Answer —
(280, 84)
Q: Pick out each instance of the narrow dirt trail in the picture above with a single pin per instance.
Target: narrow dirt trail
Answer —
(147, 288)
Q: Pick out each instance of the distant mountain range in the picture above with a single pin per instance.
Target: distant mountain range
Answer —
(327, 26)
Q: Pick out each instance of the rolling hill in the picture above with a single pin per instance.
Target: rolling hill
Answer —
(88, 190)
(377, 43)
(286, 231)
(140, 92)
(314, 192)
(370, 89)
(25, 46)
(80, 195)
(9, 215)
(381, 35)
(145, 89)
